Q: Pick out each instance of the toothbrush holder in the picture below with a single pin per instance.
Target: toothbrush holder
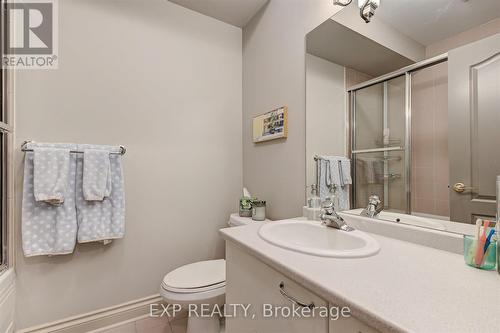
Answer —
(489, 261)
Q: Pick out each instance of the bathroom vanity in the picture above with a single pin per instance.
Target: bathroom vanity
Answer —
(405, 287)
(270, 293)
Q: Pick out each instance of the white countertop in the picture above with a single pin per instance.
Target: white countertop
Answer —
(404, 288)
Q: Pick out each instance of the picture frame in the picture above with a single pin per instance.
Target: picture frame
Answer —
(271, 125)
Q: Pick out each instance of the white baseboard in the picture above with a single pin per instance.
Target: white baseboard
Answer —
(96, 320)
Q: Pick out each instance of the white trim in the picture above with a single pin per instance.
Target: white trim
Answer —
(113, 326)
(11, 174)
(97, 320)
(376, 150)
(7, 299)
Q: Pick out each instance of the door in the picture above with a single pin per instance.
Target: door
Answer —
(474, 128)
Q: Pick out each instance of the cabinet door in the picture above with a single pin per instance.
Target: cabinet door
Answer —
(249, 281)
(350, 325)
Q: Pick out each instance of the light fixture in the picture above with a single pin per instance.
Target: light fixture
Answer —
(342, 3)
(366, 7)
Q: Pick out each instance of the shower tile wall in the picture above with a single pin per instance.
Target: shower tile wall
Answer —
(353, 77)
(430, 163)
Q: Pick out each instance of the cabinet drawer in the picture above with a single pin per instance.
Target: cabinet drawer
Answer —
(249, 281)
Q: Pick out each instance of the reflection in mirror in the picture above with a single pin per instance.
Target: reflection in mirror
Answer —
(413, 103)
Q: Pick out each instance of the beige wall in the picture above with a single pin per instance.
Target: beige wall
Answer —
(354, 77)
(381, 33)
(166, 83)
(274, 75)
(326, 112)
(485, 30)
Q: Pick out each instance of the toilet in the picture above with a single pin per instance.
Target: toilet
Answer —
(199, 283)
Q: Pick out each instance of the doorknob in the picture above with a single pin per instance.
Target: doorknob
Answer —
(461, 188)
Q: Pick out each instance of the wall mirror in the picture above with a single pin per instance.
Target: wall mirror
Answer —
(413, 100)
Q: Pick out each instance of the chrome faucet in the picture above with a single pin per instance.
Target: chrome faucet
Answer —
(374, 207)
(330, 218)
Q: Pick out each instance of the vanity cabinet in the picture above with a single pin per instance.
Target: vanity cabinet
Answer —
(270, 296)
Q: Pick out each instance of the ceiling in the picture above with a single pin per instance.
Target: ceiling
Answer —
(235, 12)
(429, 21)
(336, 43)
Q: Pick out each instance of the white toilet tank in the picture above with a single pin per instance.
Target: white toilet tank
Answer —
(236, 220)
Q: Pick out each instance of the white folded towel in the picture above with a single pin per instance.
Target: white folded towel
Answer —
(96, 174)
(373, 170)
(101, 220)
(346, 171)
(48, 229)
(334, 175)
(51, 168)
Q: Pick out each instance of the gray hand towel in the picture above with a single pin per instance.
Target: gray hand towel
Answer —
(329, 170)
(96, 174)
(346, 171)
(48, 229)
(51, 168)
(101, 220)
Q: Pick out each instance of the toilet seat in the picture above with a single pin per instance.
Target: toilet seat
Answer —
(195, 297)
(197, 277)
(193, 290)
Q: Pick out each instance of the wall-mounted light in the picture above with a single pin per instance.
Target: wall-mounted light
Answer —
(366, 7)
(342, 3)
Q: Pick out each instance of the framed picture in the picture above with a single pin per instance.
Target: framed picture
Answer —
(271, 125)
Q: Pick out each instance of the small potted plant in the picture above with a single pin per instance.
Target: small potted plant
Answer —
(246, 206)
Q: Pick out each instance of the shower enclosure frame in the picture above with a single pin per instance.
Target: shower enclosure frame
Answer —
(407, 72)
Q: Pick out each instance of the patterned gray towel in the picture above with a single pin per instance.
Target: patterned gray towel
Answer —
(96, 174)
(51, 169)
(48, 229)
(330, 176)
(101, 220)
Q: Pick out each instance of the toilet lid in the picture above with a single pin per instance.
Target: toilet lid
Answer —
(237, 220)
(203, 274)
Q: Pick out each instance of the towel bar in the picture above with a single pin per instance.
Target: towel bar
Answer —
(122, 151)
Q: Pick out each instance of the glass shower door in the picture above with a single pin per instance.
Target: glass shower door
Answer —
(379, 144)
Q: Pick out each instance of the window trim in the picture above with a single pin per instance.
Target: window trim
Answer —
(7, 218)
(5, 230)
(7, 128)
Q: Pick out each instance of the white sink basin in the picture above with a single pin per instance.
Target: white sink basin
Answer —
(310, 237)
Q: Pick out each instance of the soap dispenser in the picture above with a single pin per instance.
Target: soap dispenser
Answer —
(334, 197)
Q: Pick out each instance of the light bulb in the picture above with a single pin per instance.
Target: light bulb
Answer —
(375, 3)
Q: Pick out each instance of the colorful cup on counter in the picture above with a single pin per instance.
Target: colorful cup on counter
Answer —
(488, 259)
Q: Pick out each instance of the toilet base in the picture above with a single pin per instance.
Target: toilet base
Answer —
(203, 324)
